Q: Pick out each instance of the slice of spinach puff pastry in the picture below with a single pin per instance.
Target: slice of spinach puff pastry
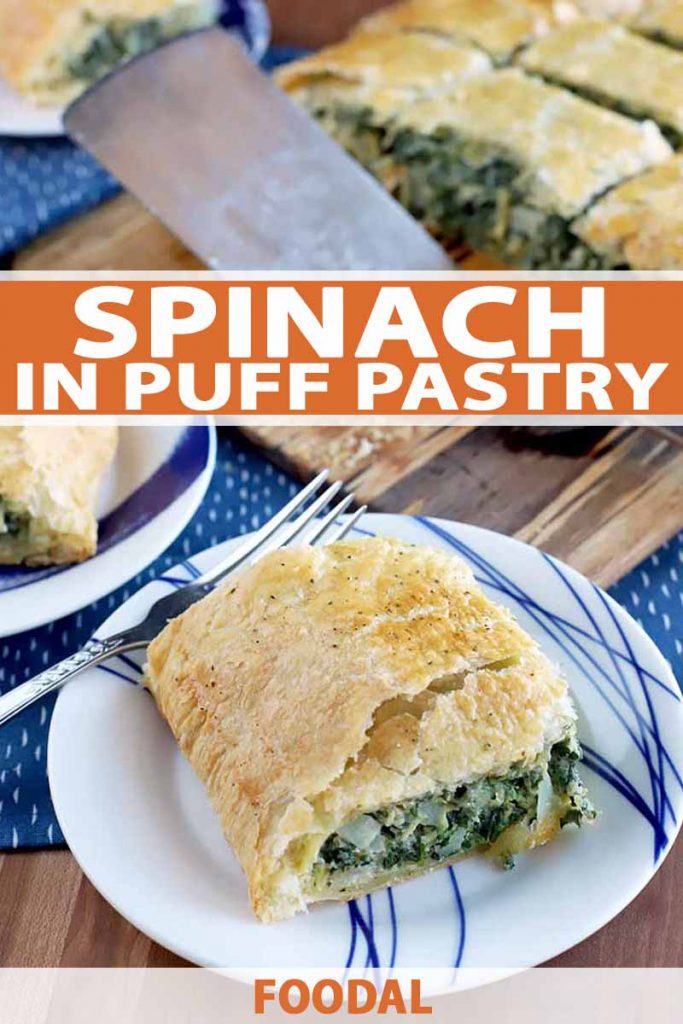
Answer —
(354, 87)
(506, 162)
(362, 713)
(49, 477)
(51, 50)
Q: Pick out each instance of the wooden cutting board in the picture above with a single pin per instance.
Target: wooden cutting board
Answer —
(601, 499)
(122, 235)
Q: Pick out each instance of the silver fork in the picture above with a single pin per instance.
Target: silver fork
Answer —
(279, 531)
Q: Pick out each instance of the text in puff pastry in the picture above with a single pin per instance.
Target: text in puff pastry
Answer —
(51, 50)
(49, 477)
(362, 713)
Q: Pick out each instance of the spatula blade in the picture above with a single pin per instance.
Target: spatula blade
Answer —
(242, 176)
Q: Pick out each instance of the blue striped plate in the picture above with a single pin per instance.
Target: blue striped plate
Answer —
(138, 822)
(155, 485)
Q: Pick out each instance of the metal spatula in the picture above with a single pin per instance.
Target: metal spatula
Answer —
(247, 180)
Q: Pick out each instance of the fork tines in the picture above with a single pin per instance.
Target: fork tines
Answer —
(286, 527)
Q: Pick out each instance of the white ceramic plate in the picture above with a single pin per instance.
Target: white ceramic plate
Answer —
(19, 117)
(138, 822)
(149, 494)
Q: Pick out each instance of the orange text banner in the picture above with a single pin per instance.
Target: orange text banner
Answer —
(496, 346)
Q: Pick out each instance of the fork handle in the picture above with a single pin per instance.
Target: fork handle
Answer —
(52, 678)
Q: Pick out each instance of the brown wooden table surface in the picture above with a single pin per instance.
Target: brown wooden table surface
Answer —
(50, 915)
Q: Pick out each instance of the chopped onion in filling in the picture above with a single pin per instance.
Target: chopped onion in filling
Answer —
(431, 829)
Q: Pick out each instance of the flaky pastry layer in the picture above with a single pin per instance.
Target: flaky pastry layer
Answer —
(49, 477)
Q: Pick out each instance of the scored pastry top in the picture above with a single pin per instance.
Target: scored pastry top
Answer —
(411, 61)
(498, 26)
(573, 149)
(661, 19)
(608, 62)
(640, 223)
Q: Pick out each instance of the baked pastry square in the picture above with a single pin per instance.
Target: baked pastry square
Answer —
(661, 20)
(507, 162)
(355, 87)
(49, 477)
(620, 10)
(362, 713)
(639, 225)
(497, 26)
(411, 64)
(50, 50)
(605, 62)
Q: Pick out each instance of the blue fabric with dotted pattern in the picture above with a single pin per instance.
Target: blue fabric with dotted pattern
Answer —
(245, 491)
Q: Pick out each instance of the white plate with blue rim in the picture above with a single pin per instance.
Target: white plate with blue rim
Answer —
(138, 821)
(19, 117)
(154, 486)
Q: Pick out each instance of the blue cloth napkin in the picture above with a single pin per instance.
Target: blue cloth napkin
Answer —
(245, 491)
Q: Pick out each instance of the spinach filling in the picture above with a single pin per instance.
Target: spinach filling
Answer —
(563, 770)
(482, 199)
(116, 41)
(462, 193)
(431, 829)
(356, 129)
(12, 524)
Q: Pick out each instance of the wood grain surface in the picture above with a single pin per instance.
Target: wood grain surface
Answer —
(600, 499)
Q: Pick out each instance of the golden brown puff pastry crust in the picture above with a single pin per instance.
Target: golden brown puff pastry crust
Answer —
(640, 223)
(616, 9)
(614, 66)
(37, 36)
(661, 19)
(50, 475)
(322, 681)
(573, 149)
(498, 26)
(411, 62)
